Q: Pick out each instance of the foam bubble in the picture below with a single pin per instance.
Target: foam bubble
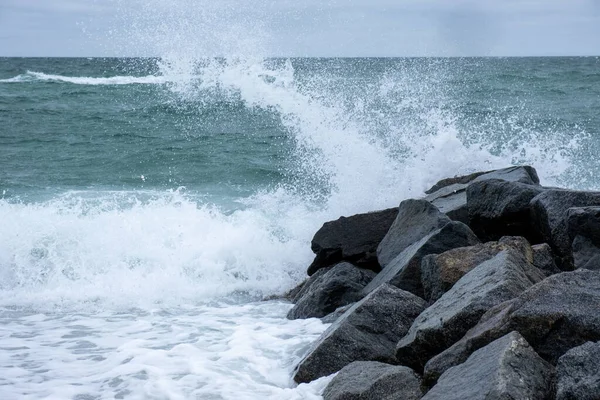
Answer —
(32, 76)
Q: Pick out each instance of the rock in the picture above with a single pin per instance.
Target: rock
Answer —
(544, 259)
(372, 380)
(524, 174)
(334, 316)
(583, 224)
(416, 219)
(549, 212)
(368, 331)
(555, 315)
(492, 282)
(507, 368)
(439, 272)
(353, 239)
(452, 201)
(499, 208)
(578, 373)
(339, 285)
(405, 270)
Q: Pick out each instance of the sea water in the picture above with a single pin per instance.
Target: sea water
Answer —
(149, 205)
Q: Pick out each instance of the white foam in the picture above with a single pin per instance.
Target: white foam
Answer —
(31, 76)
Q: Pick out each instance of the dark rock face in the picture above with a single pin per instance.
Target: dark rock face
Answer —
(368, 331)
(555, 315)
(441, 271)
(578, 373)
(492, 282)
(405, 270)
(452, 201)
(499, 208)
(583, 224)
(543, 258)
(549, 213)
(337, 286)
(507, 368)
(524, 174)
(416, 219)
(371, 380)
(353, 239)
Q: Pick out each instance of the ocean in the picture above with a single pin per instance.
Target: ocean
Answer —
(149, 205)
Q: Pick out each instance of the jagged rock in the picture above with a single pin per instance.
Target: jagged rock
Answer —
(555, 315)
(578, 373)
(450, 195)
(337, 286)
(372, 380)
(334, 316)
(523, 174)
(549, 212)
(416, 219)
(405, 270)
(368, 331)
(583, 224)
(492, 282)
(353, 239)
(439, 272)
(507, 368)
(544, 259)
(499, 208)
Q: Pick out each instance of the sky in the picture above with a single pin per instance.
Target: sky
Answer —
(350, 28)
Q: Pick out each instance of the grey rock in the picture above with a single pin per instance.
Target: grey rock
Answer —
(405, 270)
(523, 174)
(452, 201)
(578, 373)
(555, 315)
(368, 331)
(416, 219)
(507, 368)
(353, 239)
(439, 272)
(499, 208)
(583, 224)
(549, 213)
(543, 258)
(492, 282)
(334, 316)
(339, 285)
(586, 254)
(372, 380)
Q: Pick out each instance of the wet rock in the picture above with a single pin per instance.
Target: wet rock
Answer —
(440, 272)
(578, 373)
(372, 380)
(334, 316)
(549, 213)
(405, 270)
(583, 224)
(416, 219)
(335, 287)
(555, 315)
(353, 239)
(499, 208)
(523, 174)
(492, 282)
(452, 201)
(368, 331)
(507, 368)
(543, 258)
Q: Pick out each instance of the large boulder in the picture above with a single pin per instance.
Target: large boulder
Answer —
(439, 272)
(416, 219)
(337, 286)
(353, 239)
(496, 280)
(450, 195)
(583, 224)
(543, 258)
(549, 214)
(507, 368)
(368, 331)
(499, 208)
(523, 174)
(372, 380)
(555, 315)
(405, 270)
(578, 373)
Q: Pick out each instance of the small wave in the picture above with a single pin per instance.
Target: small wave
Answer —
(32, 76)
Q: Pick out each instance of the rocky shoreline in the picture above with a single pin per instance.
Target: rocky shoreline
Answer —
(487, 288)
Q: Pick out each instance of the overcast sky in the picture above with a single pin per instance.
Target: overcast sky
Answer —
(299, 27)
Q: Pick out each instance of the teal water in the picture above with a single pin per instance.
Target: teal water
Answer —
(147, 205)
